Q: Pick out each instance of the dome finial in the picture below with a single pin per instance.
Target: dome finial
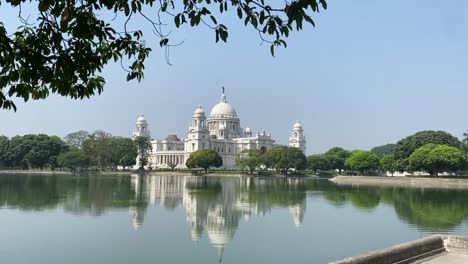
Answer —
(223, 96)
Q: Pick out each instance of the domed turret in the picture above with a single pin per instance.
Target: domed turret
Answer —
(297, 125)
(248, 132)
(141, 128)
(297, 138)
(141, 120)
(199, 112)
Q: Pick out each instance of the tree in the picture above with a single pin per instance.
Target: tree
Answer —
(283, 158)
(318, 162)
(76, 139)
(401, 165)
(362, 161)
(251, 159)
(98, 147)
(204, 158)
(127, 161)
(405, 147)
(172, 164)
(32, 151)
(144, 148)
(65, 45)
(384, 150)
(4, 145)
(388, 163)
(37, 158)
(435, 159)
(123, 150)
(75, 160)
(337, 157)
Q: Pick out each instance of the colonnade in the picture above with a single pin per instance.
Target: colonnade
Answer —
(165, 159)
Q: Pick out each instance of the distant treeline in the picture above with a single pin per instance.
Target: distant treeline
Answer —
(433, 152)
(428, 151)
(77, 151)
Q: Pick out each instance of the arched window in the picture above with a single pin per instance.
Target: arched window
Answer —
(263, 149)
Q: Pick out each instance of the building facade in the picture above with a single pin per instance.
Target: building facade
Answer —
(221, 131)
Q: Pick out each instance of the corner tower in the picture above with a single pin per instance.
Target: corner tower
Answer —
(141, 128)
(198, 132)
(297, 138)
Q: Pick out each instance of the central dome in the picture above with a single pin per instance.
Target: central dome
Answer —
(223, 109)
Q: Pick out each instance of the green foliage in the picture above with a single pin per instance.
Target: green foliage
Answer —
(435, 158)
(318, 162)
(98, 147)
(204, 158)
(251, 159)
(408, 145)
(123, 152)
(337, 157)
(362, 161)
(388, 163)
(76, 139)
(284, 158)
(75, 160)
(4, 146)
(384, 150)
(144, 147)
(65, 45)
(31, 151)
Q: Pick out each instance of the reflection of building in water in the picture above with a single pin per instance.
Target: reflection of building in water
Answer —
(211, 204)
(138, 216)
(298, 211)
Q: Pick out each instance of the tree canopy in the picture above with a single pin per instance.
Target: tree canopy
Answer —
(337, 157)
(65, 45)
(362, 161)
(384, 150)
(388, 163)
(283, 158)
(75, 160)
(318, 162)
(31, 151)
(76, 139)
(251, 159)
(434, 159)
(405, 147)
(204, 158)
(144, 147)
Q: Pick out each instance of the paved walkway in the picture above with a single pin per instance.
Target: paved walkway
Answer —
(448, 258)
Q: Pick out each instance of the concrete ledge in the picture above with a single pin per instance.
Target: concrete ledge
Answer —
(417, 251)
(383, 181)
(456, 244)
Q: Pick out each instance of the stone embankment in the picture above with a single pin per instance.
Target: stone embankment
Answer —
(436, 249)
(431, 183)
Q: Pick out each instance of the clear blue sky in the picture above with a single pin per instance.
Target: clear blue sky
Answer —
(370, 73)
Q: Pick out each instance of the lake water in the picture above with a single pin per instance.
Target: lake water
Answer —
(185, 219)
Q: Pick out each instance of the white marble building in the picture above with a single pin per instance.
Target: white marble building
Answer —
(220, 131)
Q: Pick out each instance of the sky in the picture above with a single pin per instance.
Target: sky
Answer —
(369, 73)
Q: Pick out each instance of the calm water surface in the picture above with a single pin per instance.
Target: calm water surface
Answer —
(172, 219)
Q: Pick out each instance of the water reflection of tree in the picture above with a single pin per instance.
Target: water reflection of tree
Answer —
(434, 210)
(78, 194)
(216, 205)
